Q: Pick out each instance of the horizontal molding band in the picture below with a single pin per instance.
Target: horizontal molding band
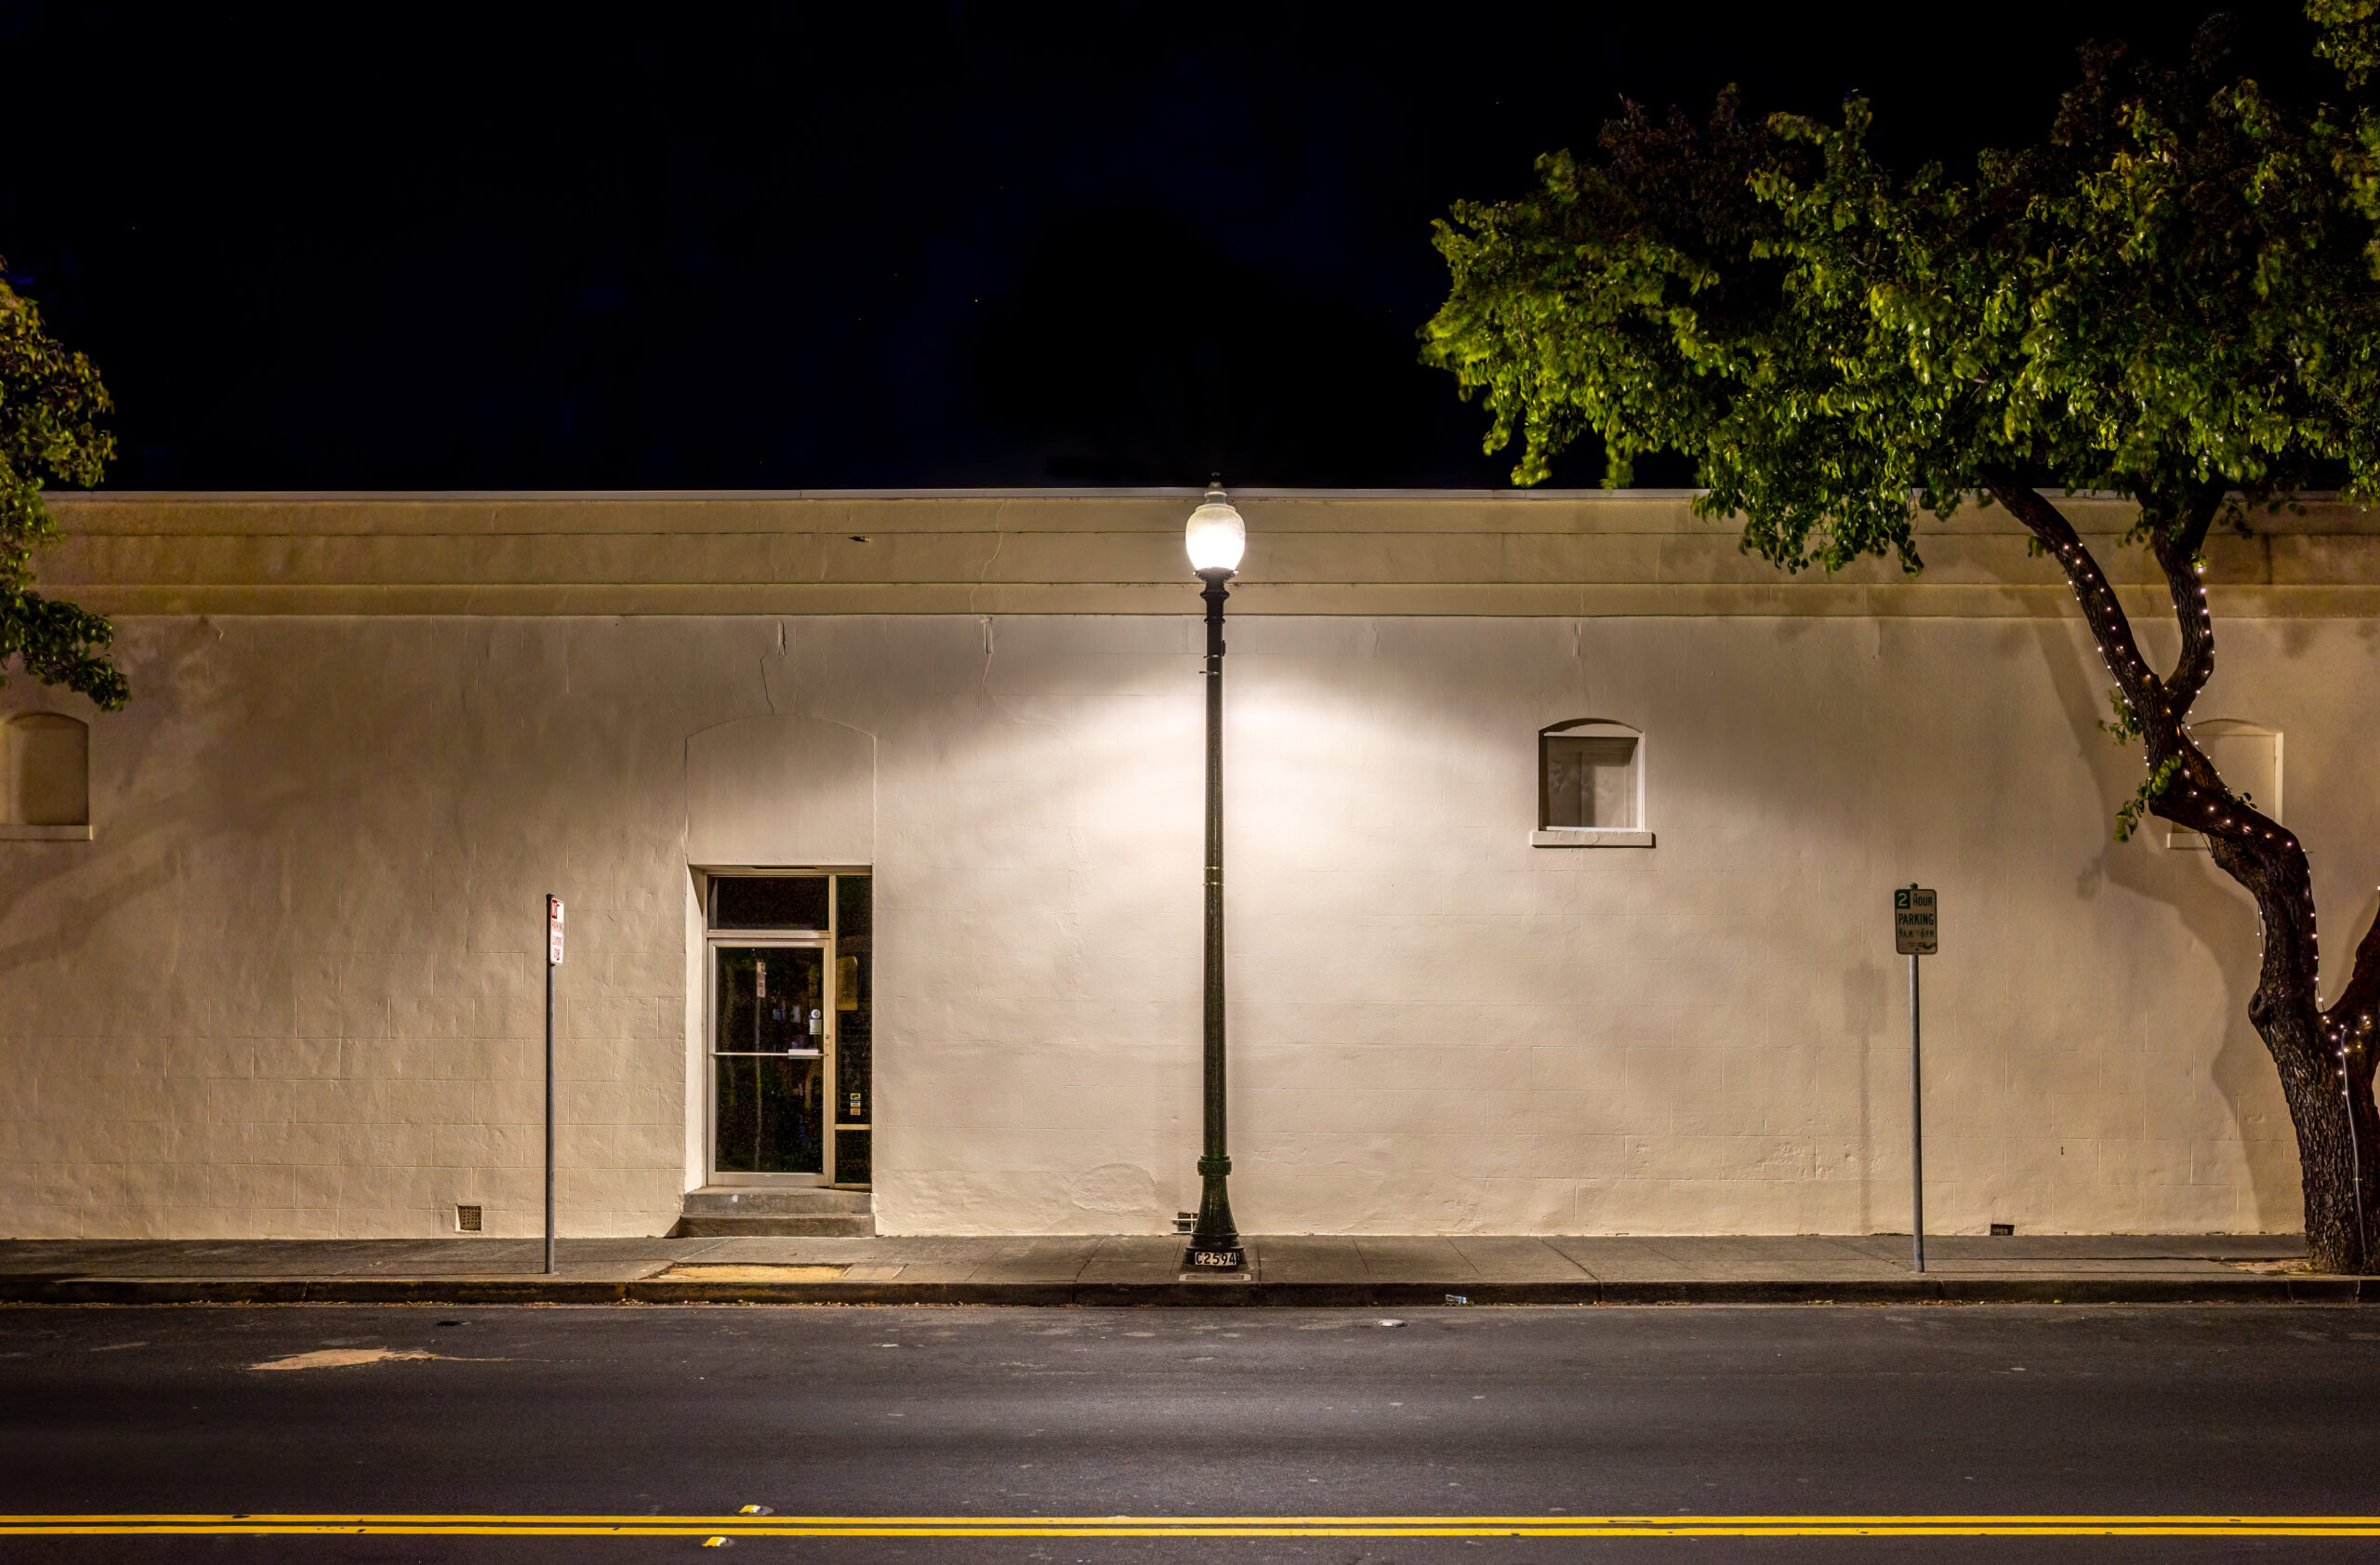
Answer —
(1103, 559)
(1528, 600)
(1591, 554)
(1619, 512)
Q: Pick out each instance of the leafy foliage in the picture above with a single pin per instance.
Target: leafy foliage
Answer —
(2350, 35)
(2170, 296)
(51, 404)
(2125, 726)
(2129, 813)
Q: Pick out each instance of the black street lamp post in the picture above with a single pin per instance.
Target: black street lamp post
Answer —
(1216, 537)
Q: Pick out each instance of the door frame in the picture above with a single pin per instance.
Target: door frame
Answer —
(811, 940)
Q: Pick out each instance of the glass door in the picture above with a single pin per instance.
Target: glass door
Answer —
(789, 1027)
(770, 1037)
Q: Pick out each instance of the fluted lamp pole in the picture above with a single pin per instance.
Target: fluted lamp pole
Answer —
(1216, 537)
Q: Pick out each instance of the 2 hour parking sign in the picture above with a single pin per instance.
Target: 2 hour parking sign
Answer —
(1914, 930)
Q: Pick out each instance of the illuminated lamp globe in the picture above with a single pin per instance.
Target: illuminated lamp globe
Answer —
(1216, 536)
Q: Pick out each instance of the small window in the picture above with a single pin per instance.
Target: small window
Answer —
(45, 776)
(1591, 780)
(767, 902)
(2248, 759)
(1590, 786)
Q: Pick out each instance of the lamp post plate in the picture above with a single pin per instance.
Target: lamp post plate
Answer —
(1213, 1260)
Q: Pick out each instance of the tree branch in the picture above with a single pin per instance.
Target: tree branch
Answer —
(2249, 846)
(2354, 1016)
(2109, 627)
(2177, 548)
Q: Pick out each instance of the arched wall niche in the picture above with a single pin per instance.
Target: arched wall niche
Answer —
(783, 789)
(45, 776)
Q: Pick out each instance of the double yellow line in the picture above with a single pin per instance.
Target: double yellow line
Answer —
(749, 1526)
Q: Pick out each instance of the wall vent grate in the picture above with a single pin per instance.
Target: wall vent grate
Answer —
(467, 1219)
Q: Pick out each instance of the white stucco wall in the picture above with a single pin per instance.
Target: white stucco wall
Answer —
(291, 987)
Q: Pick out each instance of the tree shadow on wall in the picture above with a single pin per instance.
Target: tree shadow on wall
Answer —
(1133, 350)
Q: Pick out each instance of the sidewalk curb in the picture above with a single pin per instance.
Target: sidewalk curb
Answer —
(2093, 1290)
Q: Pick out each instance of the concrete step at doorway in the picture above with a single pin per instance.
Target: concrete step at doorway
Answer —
(725, 1213)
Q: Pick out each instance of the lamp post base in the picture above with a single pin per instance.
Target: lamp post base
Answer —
(1214, 1237)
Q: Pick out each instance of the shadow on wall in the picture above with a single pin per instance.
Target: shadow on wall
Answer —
(2219, 917)
(171, 682)
(1867, 1012)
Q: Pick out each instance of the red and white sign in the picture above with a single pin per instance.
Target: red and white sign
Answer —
(553, 931)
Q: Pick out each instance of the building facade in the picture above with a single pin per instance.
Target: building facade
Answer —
(1561, 842)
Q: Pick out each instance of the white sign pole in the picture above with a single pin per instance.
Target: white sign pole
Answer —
(553, 959)
(1916, 933)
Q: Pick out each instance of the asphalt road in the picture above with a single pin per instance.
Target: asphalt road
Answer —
(1669, 1414)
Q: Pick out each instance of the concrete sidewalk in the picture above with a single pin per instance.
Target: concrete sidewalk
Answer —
(1145, 1269)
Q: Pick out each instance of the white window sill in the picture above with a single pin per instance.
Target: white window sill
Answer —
(1588, 837)
(45, 833)
(2181, 839)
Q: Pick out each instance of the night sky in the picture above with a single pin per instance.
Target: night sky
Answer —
(869, 247)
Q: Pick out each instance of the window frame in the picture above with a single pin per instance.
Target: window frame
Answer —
(1550, 836)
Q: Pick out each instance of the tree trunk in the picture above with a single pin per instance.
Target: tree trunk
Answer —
(2310, 1081)
(2324, 1057)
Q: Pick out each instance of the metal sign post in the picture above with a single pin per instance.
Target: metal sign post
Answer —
(1915, 934)
(553, 959)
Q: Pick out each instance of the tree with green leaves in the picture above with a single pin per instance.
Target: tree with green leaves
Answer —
(51, 404)
(2172, 297)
